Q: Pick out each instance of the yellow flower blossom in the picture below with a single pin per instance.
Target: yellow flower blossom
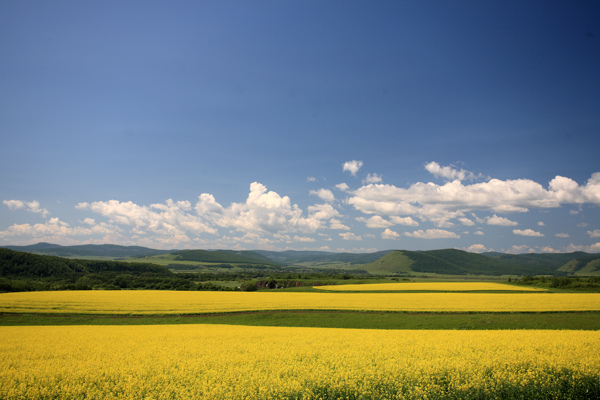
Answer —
(182, 302)
(244, 362)
(430, 286)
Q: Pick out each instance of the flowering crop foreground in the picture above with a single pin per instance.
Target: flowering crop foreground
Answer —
(185, 302)
(243, 362)
(430, 286)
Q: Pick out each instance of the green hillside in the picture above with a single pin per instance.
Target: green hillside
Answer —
(293, 256)
(586, 266)
(89, 250)
(223, 256)
(21, 271)
(549, 260)
(453, 262)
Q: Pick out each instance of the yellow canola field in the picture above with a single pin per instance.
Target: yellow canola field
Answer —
(430, 286)
(244, 362)
(186, 302)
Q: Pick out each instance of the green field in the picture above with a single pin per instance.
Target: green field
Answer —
(330, 319)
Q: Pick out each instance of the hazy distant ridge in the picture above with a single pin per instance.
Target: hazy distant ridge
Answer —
(443, 261)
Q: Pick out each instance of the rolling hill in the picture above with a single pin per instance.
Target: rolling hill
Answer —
(589, 265)
(89, 250)
(458, 262)
(224, 256)
(445, 261)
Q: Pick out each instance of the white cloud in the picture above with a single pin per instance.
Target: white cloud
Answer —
(562, 235)
(170, 218)
(449, 172)
(477, 248)
(595, 233)
(263, 213)
(311, 179)
(521, 249)
(389, 234)
(372, 178)
(432, 234)
(31, 206)
(594, 248)
(375, 222)
(352, 166)
(303, 239)
(350, 236)
(337, 225)
(479, 233)
(441, 203)
(56, 228)
(378, 222)
(466, 221)
(407, 221)
(527, 232)
(14, 204)
(549, 249)
(541, 223)
(500, 221)
(342, 186)
(324, 194)
(322, 212)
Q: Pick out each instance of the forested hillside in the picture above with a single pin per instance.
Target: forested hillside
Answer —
(89, 250)
(20, 271)
(223, 256)
(458, 262)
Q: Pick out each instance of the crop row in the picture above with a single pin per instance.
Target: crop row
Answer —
(241, 362)
(186, 302)
(430, 286)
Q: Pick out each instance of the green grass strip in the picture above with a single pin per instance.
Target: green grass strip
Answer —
(333, 319)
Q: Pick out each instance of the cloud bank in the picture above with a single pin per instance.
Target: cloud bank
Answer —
(371, 211)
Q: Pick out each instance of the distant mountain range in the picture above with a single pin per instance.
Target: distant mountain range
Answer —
(89, 250)
(445, 261)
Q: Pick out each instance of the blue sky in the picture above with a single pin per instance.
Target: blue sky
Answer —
(329, 125)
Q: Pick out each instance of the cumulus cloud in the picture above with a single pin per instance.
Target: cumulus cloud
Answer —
(378, 222)
(527, 232)
(407, 221)
(352, 166)
(303, 239)
(31, 206)
(56, 228)
(311, 179)
(372, 178)
(500, 221)
(477, 248)
(170, 218)
(466, 221)
(595, 233)
(520, 249)
(336, 224)
(375, 222)
(549, 249)
(265, 214)
(324, 194)
(389, 234)
(562, 235)
(432, 234)
(594, 248)
(448, 172)
(350, 236)
(452, 200)
(342, 186)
